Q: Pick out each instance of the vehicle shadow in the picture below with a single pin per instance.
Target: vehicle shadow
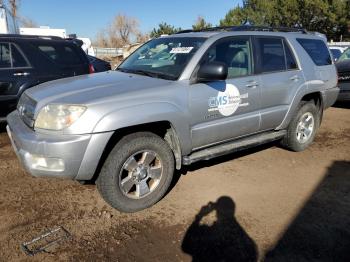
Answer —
(224, 240)
(2, 127)
(228, 157)
(345, 105)
(216, 161)
(321, 230)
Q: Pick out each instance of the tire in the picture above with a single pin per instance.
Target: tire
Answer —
(294, 140)
(130, 169)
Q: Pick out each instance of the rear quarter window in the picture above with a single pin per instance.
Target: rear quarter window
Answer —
(64, 55)
(317, 50)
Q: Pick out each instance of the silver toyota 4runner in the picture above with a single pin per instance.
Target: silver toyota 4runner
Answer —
(176, 100)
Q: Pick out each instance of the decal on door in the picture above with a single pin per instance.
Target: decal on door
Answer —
(227, 102)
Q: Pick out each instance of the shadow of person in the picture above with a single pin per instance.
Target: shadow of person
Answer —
(224, 240)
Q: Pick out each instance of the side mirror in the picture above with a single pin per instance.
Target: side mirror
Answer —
(213, 71)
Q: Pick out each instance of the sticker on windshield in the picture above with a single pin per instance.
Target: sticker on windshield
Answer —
(227, 102)
(181, 50)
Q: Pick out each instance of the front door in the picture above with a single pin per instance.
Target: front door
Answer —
(15, 71)
(224, 110)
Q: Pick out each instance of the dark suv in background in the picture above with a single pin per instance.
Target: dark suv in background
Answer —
(26, 61)
(343, 67)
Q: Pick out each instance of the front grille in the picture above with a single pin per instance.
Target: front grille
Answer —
(26, 109)
(344, 76)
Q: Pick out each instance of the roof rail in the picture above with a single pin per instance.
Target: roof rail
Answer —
(247, 28)
(30, 36)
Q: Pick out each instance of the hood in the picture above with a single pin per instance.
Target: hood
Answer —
(87, 89)
(343, 66)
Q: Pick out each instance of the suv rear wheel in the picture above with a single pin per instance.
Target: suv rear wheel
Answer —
(303, 127)
(137, 173)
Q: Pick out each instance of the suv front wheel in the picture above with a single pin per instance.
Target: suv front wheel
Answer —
(303, 127)
(137, 173)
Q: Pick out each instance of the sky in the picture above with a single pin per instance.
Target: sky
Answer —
(87, 18)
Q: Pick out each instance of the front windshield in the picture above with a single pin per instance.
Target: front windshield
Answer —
(345, 55)
(162, 57)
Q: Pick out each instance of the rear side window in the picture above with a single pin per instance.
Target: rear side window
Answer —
(18, 59)
(5, 55)
(61, 54)
(317, 50)
(272, 58)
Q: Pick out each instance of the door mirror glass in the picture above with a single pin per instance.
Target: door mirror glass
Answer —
(213, 71)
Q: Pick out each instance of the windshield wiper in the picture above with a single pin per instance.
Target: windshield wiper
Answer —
(147, 73)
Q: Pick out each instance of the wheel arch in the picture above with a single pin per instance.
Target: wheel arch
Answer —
(164, 129)
(316, 97)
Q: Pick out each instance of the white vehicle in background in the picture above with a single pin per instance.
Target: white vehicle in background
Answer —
(337, 51)
(43, 31)
(8, 23)
(47, 31)
(87, 46)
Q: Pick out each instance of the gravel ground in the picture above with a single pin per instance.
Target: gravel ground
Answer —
(263, 204)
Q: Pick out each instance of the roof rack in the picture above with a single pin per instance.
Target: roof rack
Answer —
(247, 28)
(44, 37)
(31, 36)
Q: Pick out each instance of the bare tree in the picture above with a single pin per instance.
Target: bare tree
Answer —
(14, 4)
(142, 38)
(122, 31)
(27, 22)
(123, 27)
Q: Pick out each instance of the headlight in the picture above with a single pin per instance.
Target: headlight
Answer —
(58, 117)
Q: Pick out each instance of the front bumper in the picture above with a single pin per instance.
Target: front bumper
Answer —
(71, 156)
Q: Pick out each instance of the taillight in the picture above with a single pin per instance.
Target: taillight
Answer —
(91, 69)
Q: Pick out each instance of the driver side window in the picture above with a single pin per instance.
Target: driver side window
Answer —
(235, 52)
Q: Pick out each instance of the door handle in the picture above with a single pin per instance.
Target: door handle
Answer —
(294, 78)
(252, 84)
(21, 74)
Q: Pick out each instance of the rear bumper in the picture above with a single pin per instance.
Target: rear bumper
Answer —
(62, 156)
(330, 97)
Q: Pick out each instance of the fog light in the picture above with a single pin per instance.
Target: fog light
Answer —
(36, 162)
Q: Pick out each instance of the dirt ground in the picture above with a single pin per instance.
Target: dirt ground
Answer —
(263, 204)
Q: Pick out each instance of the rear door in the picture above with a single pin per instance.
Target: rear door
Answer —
(280, 78)
(225, 110)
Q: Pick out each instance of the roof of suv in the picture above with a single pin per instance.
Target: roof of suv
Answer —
(209, 32)
(40, 37)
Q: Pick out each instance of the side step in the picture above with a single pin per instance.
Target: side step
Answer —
(233, 146)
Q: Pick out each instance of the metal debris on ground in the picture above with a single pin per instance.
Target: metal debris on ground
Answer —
(47, 240)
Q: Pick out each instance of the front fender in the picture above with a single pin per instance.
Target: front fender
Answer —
(148, 113)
